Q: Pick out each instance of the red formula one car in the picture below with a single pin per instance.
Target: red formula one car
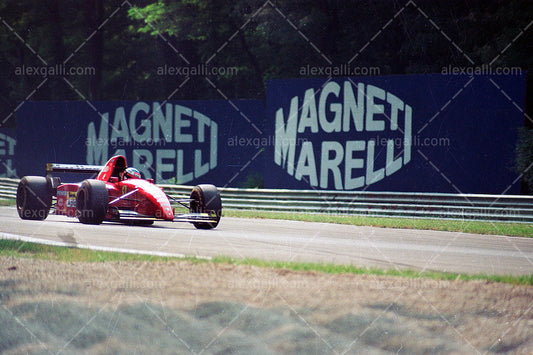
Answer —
(118, 194)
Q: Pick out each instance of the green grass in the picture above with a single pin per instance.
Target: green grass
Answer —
(8, 202)
(466, 226)
(351, 269)
(15, 248)
(65, 254)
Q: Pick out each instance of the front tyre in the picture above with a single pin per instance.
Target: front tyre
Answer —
(91, 202)
(206, 199)
(34, 197)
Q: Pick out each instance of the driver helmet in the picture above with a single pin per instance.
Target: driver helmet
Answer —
(131, 173)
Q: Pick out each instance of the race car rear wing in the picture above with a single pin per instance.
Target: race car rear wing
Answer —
(72, 168)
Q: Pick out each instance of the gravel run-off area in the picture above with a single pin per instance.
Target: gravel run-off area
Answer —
(214, 308)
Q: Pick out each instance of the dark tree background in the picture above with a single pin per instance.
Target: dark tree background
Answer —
(128, 42)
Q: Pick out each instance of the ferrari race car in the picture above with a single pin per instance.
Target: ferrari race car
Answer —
(117, 194)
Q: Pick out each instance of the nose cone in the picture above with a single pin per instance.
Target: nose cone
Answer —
(168, 213)
(160, 201)
(164, 211)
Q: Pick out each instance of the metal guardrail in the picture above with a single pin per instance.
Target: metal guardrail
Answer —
(506, 208)
(8, 188)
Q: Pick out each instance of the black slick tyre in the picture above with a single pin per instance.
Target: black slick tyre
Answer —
(91, 202)
(206, 199)
(34, 197)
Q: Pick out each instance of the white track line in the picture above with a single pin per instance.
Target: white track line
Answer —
(21, 238)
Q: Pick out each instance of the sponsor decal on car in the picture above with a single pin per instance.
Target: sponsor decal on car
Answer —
(71, 199)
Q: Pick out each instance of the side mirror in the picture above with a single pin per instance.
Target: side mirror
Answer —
(113, 179)
(151, 181)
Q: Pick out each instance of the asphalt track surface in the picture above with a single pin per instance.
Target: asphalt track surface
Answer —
(294, 241)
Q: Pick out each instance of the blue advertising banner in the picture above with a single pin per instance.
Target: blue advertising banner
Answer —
(412, 133)
(8, 142)
(183, 142)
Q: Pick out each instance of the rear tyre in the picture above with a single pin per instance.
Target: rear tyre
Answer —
(91, 202)
(206, 199)
(34, 197)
